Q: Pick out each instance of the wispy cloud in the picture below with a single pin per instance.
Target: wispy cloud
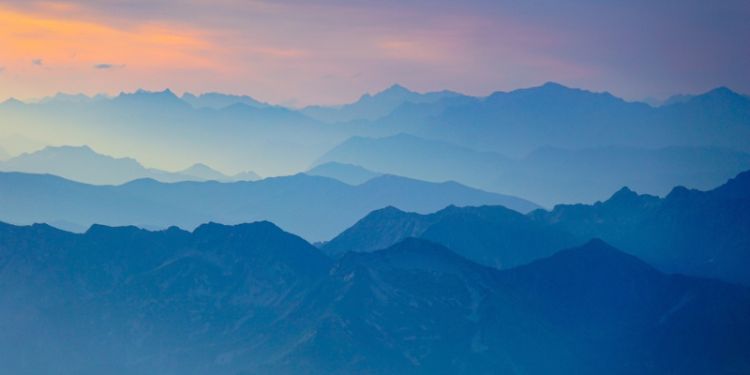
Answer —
(106, 66)
(37, 62)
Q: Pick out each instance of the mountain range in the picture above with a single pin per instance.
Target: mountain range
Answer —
(160, 129)
(688, 231)
(229, 132)
(577, 175)
(346, 173)
(81, 163)
(518, 122)
(372, 107)
(218, 100)
(252, 299)
(315, 207)
(490, 235)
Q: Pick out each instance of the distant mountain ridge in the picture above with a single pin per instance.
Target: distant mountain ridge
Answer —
(578, 175)
(517, 122)
(513, 123)
(372, 107)
(315, 207)
(347, 173)
(217, 100)
(82, 164)
(144, 124)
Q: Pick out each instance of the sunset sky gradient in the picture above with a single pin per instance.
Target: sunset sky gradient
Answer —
(295, 52)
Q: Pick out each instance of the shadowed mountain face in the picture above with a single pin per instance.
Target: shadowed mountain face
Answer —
(490, 235)
(315, 207)
(126, 301)
(253, 299)
(689, 231)
(85, 165)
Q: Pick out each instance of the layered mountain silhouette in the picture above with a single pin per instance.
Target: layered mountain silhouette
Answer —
(347, 173)
(373, 107)
(520, 121)
(315, 207)
(253, 299)
(408, 155)
(81, 163)
(516, 123)
(218, 100)
(117, 300)
(490, 235)
(160, 128)
(548, 175)
(203, 172)
(433, 263)
(689, 231)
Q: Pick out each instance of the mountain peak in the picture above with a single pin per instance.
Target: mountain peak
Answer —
(64, 148)
(597, 244)
(416, 254)
(396, 88)
(736, 188)
(218, 100)
(605, 255)
(387, 211)
(203, 172)
(199, 167)
(722, 91)
(12, 102)
(594, 260)
(625, 193)
(550, 85)
(247, 234)
(721, 94)
(166, 92)
(254, 227)
(100, 229)
(158, 98)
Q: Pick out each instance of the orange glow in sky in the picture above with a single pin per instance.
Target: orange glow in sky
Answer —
(64, 51)
(297, 52)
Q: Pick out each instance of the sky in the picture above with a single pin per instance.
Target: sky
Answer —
(301, 52)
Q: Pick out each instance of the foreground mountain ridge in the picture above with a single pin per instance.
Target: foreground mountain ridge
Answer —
(699, 233)
(252, 299)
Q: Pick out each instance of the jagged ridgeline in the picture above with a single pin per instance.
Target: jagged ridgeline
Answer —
(585, 144)
(252, 299)
(327, 187)
(464, 290)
